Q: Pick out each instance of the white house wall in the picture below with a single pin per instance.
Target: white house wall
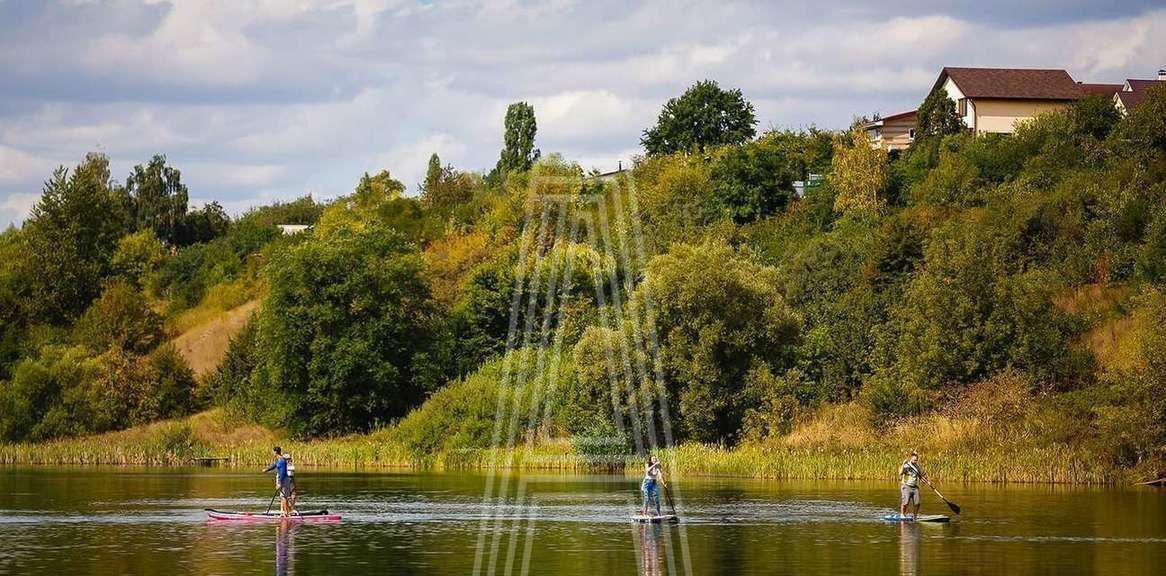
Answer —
(956, 94)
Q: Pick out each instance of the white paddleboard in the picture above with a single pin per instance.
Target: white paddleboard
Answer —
(919, 518)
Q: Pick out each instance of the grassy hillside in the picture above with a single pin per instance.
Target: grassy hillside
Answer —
(994, 301)
(204, 345)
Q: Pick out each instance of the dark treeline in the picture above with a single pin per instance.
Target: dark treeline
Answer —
(1024, 268)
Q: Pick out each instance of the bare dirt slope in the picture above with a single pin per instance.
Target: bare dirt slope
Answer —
(204, 346)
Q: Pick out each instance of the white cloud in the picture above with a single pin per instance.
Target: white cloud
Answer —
(15, 207)
(408, 162)
(268, 99)
(18, 166)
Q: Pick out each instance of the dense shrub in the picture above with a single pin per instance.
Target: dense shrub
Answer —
(347, 333)
(713, 332)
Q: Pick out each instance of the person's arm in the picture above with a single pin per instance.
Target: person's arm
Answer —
(270, 468)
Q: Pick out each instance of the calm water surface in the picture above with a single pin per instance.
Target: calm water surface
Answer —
(140, 521)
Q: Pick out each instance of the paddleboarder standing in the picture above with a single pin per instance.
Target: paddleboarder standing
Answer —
(653, 476)
(909, 475)
(283, 482)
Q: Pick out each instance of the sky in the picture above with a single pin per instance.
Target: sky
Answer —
(262, 100)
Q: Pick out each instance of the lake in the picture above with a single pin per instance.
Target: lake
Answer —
(151, 521)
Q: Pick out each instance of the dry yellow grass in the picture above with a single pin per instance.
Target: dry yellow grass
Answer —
(204, 346)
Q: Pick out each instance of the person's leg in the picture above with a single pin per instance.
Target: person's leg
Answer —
(916, 495)
(645, 492)
(903, 500)
(656, 497)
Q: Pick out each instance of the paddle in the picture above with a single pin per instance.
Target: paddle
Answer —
(668, 497)
(274, 496)
(954, 507)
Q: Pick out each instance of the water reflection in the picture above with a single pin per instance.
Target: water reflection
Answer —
(908, 548)
(651, 548)
(284, 541)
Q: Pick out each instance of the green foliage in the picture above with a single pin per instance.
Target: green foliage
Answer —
(937, 117)
(185, 278)
(346, 333)
(752, 181)
(230, 384)
(65, 392)
(432, 173)
(303, 211)
(69, 241)
(372, 191)
(1012, 281)
(713, 333)
(773, 404)
(203, 225)
(518, 151)
(138, 257)
(704, 116)
(675, 195)
(860, 175)
(159, 198)
(954, 181)
(45, 398)
(120, 319)
(502, 402)
(1095, 116)
(1143, 133)
(969, 313)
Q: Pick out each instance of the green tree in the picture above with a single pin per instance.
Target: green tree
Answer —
(713, 333)
(704, 116)
(203, 225)
(346, 333)
(69, 241)
(860, 173)
(138, 256)
(159, 198)
(372, 191)
(120, 318)
(752, 181)
(1095, 116)
(445, 188)
(937, 117)
(518, 151)
(433, 173)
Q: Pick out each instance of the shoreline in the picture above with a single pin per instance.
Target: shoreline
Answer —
(178, 443)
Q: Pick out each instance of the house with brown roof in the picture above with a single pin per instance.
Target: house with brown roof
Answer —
(894, 132)
(1094, 89)
(1134, 91)
(996, 100)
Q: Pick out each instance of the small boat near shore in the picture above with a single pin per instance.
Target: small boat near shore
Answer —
(310, 516)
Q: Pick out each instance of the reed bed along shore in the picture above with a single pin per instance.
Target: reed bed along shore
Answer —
(212, 434)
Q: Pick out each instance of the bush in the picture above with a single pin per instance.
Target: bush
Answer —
(507, 399)
(120, 319)
(344, 333)
(752, 181)
(138, 257)
(712, 333)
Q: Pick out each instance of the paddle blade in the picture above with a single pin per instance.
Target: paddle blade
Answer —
(954, 507)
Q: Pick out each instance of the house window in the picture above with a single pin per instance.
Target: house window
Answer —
(911, 134)
(963, 106)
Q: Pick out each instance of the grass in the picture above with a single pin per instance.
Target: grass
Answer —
(832, 446)
(204, 345)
